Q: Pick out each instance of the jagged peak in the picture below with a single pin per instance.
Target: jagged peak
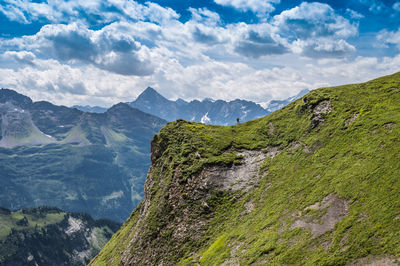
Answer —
(150, 92)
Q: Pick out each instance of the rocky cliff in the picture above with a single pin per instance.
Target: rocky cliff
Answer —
(315, 183)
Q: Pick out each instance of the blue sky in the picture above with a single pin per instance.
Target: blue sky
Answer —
(103, 52)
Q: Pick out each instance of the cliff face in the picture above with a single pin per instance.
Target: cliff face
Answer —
(314, 183)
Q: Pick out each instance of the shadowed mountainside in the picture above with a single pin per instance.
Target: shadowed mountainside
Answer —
(77, 161)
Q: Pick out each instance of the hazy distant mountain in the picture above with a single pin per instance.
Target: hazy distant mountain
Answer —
(208, 111)
(90, 109)
(77, 161)
(278, 104)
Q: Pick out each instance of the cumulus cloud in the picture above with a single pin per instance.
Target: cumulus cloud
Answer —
(93, 11)
(205, 16)
(22, 58)
(107, 48)
(389, 38)
(325, 48)
(310, 20)
(316, 30)
(257, 44)
(260, 7)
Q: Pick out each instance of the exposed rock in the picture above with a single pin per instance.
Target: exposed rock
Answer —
(376, 261)
(237, 177)
(351, 120)
(294, 146)
(272, 130)
(319, 111)
(272, 151)
(336, 210)
(389, 126)
(234, 256)
(249, 207)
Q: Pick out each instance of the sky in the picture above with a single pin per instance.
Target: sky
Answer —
(96, 52)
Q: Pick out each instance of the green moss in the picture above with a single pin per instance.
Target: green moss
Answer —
(216, 253)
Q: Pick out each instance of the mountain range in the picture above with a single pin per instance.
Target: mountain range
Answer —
(85, 162)
(207, 111)
(314, 183)
(90, 109)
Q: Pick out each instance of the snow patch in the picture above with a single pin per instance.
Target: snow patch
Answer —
(205, 119)
(74, 225)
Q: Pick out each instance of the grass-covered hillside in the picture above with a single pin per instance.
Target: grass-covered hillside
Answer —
(49, 236)
(315, 183)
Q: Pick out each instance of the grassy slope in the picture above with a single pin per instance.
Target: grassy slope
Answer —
(358, 162)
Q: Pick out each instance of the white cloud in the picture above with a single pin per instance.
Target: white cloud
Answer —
(57, 11)
(205, 16)
(323, 47)
(389, 37)
(261, 7)
(106, 48)
(315, 30)
(354, 14)
(22, 58)
(310, 20)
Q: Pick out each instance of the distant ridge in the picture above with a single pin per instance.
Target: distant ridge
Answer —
(207, 111)
(90, 109)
